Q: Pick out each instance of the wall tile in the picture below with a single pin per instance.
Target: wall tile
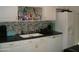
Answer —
(26, 27)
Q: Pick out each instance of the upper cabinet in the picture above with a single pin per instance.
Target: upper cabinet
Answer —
(8, 13)
(49, 13)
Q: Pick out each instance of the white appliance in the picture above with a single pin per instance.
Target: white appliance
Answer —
(65, 24)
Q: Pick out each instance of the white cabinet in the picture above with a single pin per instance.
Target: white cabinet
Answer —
(55, 43)
(8, 13)
(42, 44)
(65, 24)
(48, 13)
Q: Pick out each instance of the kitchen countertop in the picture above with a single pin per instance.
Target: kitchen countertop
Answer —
(17, 37)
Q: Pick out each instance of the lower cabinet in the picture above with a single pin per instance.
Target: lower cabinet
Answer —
(42, 44)
(55, 43)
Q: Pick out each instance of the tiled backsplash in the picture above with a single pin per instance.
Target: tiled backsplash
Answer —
(26, 27)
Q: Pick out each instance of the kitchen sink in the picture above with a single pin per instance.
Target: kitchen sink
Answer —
(30, 35)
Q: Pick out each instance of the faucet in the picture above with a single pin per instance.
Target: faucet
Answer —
(22, 32)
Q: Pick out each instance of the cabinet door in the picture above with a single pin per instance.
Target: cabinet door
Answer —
(48, 13)
(55, 43)
(41, 44)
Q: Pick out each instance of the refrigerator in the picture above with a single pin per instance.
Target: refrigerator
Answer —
(65, 24)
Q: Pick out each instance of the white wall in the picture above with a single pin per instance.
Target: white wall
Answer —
(8, 13)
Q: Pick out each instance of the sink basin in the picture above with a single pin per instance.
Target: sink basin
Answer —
(31, 35)
(25, 36)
